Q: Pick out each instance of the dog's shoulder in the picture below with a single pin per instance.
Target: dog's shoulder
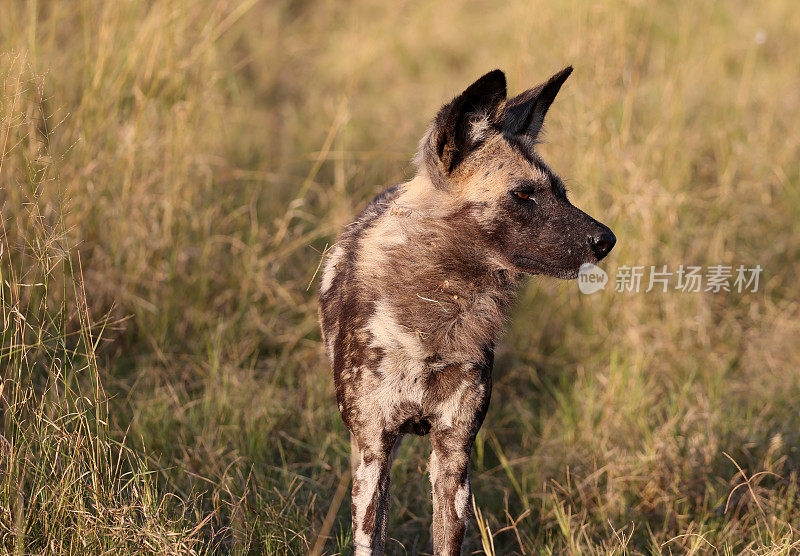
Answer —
(341, 291)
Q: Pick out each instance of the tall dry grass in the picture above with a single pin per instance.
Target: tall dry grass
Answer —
(171, 171)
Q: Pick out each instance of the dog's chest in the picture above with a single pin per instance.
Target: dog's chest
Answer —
(413, 396)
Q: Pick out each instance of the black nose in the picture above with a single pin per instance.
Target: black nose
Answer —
(602, 242)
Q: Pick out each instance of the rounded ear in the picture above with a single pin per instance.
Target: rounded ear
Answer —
(451, 132)
(525, 112)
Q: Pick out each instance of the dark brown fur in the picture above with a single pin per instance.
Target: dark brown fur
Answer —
(416, 290)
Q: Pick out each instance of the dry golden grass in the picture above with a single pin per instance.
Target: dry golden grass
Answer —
(171, 170)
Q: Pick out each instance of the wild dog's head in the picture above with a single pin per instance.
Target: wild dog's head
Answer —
(480, 154)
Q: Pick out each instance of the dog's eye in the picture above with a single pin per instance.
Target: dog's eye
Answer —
(524, 195)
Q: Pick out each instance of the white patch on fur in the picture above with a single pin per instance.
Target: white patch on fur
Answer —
(386, 232)
(462, 500)
(330, 338)
(390, 335)
(448, 409)
(433, 468)
(479, 128)
(329, 270)
(403, 362)
(368, 477)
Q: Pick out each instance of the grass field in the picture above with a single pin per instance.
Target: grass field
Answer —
(171, 171)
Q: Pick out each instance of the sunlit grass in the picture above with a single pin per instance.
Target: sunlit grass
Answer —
(172, 170)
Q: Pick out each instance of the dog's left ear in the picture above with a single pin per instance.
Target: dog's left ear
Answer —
(455, 126)
(525, 112)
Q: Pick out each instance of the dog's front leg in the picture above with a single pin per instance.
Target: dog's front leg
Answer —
(370, 502)
(449, 469)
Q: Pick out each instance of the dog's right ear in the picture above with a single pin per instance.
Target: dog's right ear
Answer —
(457, 127)
(525, 112)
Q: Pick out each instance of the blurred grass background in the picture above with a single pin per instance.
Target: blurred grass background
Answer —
(171, 171)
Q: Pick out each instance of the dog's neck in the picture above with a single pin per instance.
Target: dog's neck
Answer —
(434, 272)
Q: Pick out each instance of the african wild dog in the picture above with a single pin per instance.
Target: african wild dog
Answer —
(415, 291)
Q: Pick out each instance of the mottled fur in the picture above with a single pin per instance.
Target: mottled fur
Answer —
(415, 292)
